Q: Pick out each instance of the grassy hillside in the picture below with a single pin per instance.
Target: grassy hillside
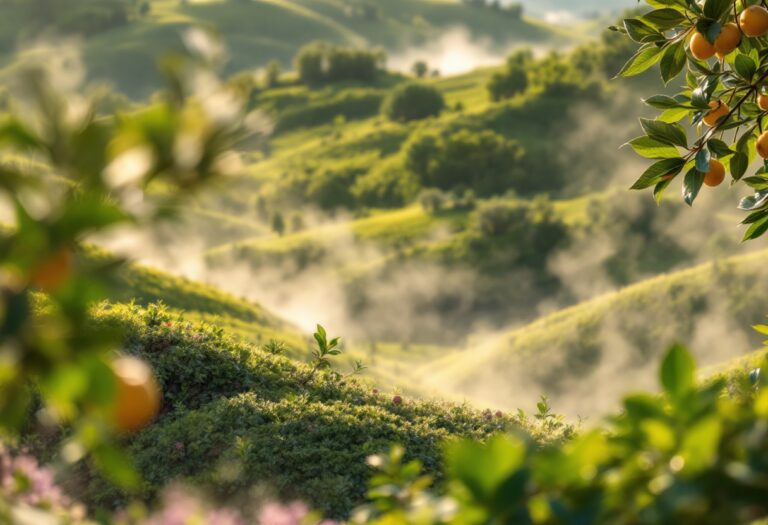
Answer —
(142, 286)
(257, 31)
(602, 347)
(236, 416)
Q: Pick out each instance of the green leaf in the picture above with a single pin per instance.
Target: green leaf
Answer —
(673, 61)
(656, 172)
(640, 32)
(663, 19)
(653, 149)
(756, 229)
(719, 148)
(715, 9)
(645, 58)
(691, 185)
(709, 28)
(664, 102)
(658, 190)
(677, 372)
(745, 67)
(739, 165)
(700, 444)
(703, 157)
(754, 202)
(483, 468)
(664, 132)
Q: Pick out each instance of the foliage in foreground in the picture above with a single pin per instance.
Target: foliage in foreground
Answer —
(694, 455)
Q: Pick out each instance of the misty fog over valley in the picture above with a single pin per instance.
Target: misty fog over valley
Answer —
(270, 262)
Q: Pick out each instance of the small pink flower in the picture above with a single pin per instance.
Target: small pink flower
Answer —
(179, 445)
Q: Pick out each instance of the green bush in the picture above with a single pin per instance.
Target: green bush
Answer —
(413, 101)
(387, 185)
(483, 161)
(513, 80)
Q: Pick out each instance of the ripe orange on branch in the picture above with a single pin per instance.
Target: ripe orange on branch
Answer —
(718, 110)
(716, 174)
(137, 396)
(762, 101)
(762, 145)
(754, 21)
(701, 48)
(728, 40)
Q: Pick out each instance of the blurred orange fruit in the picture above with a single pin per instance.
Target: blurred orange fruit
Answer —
(137, 398)
(54, 271)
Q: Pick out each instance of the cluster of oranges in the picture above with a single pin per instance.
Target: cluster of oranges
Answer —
(753, 22)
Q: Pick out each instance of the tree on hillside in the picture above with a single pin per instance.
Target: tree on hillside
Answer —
(272, 74)
(483, 161)
(320, 62)
(420, 69)
(513, 80)
(413, 101)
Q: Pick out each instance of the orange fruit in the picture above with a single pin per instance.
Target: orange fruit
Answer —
(728, 40)
(54, 271)
(716, 174)
(762, 145)
(718, 110)
(762, 101)
(137, 396)
(700, 47)
(754, 21)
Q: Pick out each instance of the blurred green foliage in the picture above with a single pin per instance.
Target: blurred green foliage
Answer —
(694, 455)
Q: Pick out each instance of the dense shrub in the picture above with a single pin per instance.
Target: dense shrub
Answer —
(413, 101)
(433, 200)
(513, 80)
(387, 185)
(231, 406)
(483, 161)
(320, 62)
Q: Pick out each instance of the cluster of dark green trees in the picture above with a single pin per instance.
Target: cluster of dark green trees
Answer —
(322, 63)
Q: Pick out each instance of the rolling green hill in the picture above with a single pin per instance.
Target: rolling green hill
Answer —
(257, 31)
(600, 348)
(236, 416)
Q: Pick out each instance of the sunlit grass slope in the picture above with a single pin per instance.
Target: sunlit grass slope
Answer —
(200, 302)
(713, 304)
